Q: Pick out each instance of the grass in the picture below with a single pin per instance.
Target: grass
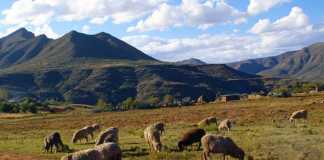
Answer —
(255, 131)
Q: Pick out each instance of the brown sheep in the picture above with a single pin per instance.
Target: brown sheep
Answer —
(301, 114)
(106, 151)
(190, 137)
(218, 144)
(53, 140)
(208, 121)
(152, 135)
(225, 125)
(109, 135)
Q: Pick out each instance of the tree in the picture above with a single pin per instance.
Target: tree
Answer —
(104, 105)
(168, 100)
(127, 104)
(153, 101)
(5, 107)
(4, 95)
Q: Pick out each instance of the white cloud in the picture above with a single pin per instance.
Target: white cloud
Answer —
(296, 19)
(294, 29)
(85, 29)
(259, 6)
(47, 30)
(195, 13)
(39, 14)
(266, 38)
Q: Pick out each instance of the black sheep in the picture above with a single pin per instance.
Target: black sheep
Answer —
(53, 139)
(191, 137)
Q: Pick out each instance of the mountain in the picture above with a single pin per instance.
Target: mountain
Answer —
(81, 68)
(20, 46)
(191, 61)
(305, 64)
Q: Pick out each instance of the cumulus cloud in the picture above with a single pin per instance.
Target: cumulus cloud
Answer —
(210, 48)
(265, 38)
(295, 20)
(258, 6)
(294, 29)
(41, 13)
(195, 13)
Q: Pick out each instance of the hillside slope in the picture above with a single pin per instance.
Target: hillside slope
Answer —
(305, 64)
(117, 83)
(83, 68)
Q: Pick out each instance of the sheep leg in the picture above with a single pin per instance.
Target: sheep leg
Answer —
(199, 145)
(91, 134)
(56, 147)
(205, 155)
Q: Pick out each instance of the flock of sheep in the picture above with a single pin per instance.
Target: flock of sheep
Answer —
(107, 148)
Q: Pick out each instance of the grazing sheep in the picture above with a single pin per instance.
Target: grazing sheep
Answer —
(301, 114)
(53, 139)
(218, 144)
(190, 137)
(109, 135)
(91, 129)
(225, 125)
(208, 121)
(106, 151)
(152, 135)
(96, 127)
(82, 133)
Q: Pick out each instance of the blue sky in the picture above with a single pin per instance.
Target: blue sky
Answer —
(216, 31)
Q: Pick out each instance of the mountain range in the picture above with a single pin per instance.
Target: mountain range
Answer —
(82, 68)
(305, 64)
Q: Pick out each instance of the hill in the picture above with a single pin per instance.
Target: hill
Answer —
(306, 64)
(191, 61)
(81, 68)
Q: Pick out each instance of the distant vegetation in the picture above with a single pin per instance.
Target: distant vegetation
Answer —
(24, 106)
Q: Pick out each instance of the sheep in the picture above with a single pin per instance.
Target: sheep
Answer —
(109, 135)
(53, 139)
(190, 137)
(152, 135)
(225, 125)
(106, 151)
(82, 133)
(96, 127)
(301, 114)
(218, 144)
(208, 121)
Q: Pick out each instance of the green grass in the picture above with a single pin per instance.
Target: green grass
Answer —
(254, 131)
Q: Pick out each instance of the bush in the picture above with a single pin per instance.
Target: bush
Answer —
(104, 105)
(281, 92)
(128, 104)
(6, 108)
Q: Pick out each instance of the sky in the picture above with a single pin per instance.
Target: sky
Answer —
(215, 31)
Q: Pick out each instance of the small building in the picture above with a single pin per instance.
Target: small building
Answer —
(227, 98)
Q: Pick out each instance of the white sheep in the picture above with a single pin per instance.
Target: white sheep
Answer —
(225, 125)
(106, 151)
(152, 135)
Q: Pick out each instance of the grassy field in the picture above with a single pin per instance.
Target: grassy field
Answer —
(262, 130)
